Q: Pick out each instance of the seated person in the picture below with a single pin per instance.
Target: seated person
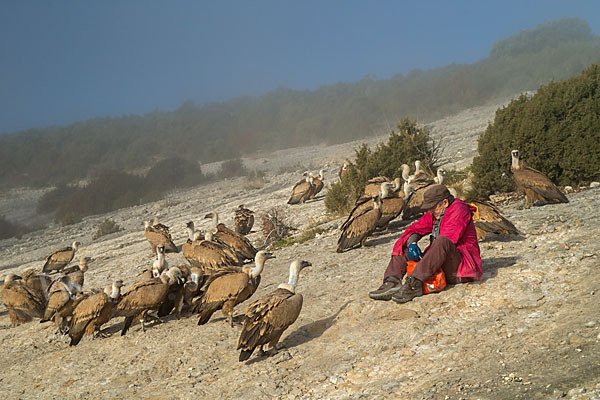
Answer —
(452, 246)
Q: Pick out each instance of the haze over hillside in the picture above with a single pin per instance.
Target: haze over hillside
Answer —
(287, 118)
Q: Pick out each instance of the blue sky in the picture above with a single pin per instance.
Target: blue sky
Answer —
(65, 61)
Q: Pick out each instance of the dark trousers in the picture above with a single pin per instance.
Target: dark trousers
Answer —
(442, 253)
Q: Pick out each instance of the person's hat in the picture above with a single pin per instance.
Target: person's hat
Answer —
(434, 195)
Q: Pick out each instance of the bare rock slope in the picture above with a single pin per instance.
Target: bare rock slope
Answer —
(529, 329)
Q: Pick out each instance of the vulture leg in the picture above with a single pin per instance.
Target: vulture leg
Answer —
(154, 318)
(126, 326)
(142, 319)
(261, 352)
(101, 334)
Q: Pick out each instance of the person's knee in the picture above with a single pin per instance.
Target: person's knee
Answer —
(443, 242)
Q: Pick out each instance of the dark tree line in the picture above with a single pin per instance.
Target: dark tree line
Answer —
(287, 118)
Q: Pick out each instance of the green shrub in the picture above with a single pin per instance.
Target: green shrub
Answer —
(256, 180)
(174, 172)
(409, 144)
(106, 227)
(556, 132)
(110, 190)
(51, 200)
(9, 229)
(232, 168)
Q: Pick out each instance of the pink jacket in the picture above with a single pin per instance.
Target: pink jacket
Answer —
(457, 225)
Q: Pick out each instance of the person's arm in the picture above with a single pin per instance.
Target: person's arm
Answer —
(422, 227)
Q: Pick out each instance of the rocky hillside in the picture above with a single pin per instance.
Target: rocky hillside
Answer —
(529, 329)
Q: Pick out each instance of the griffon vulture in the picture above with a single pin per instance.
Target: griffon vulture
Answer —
(538, 189)
(210, 257)
(302, 190)
(392, 204)
(60, 258)
(145, 296)
(60, 297)
(239, 243)
(358, 227)
(267, 318)
(20, 301)
(157, 237)
(229, 289)
(488, 218)
(318, 184)
(93, 312)
(243, 220)
(344, 170)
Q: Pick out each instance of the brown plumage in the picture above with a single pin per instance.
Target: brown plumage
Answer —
(392, 203)
(59, 297)
(302, 190)
(63, 316)
(60, 258)
(92, 312)
(229, 289)
(488, 218)
(225, 248)
(174, 299)
(267, 318)
(191, 288)
(243, 220)
(359, 226)
(239, 243)
(161, 227)
(194, 237)
(144, 296)
(20, 301)
(74, 277)
(420, 183)
(538, 189)
(373, 188)
(156, 237)
(318, 185)
(37, 283)
(209, 256)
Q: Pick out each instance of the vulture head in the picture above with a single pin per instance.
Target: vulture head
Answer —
(405, 172)
(83, 263)
(214, 216)
(417, 167)
(75, 245)
(515, 159)
(198, 235)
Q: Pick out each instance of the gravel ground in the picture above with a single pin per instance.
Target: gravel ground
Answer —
(530, 329)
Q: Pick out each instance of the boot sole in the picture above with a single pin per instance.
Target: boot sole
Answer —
(387, 295)
(401, 300)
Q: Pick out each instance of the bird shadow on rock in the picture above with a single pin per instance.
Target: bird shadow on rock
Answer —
(503, 238)
(302, 335)
(491, 265)
(381, 240)
(311, 330)
(135, 326)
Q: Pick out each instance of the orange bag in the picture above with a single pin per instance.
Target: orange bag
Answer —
(434, 284)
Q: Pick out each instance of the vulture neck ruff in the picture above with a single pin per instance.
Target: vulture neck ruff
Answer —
(116, 291)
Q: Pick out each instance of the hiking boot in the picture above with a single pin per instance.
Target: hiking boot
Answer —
(390, 286)
(412, 288)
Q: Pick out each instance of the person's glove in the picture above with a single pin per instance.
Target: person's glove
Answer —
(414, 252)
